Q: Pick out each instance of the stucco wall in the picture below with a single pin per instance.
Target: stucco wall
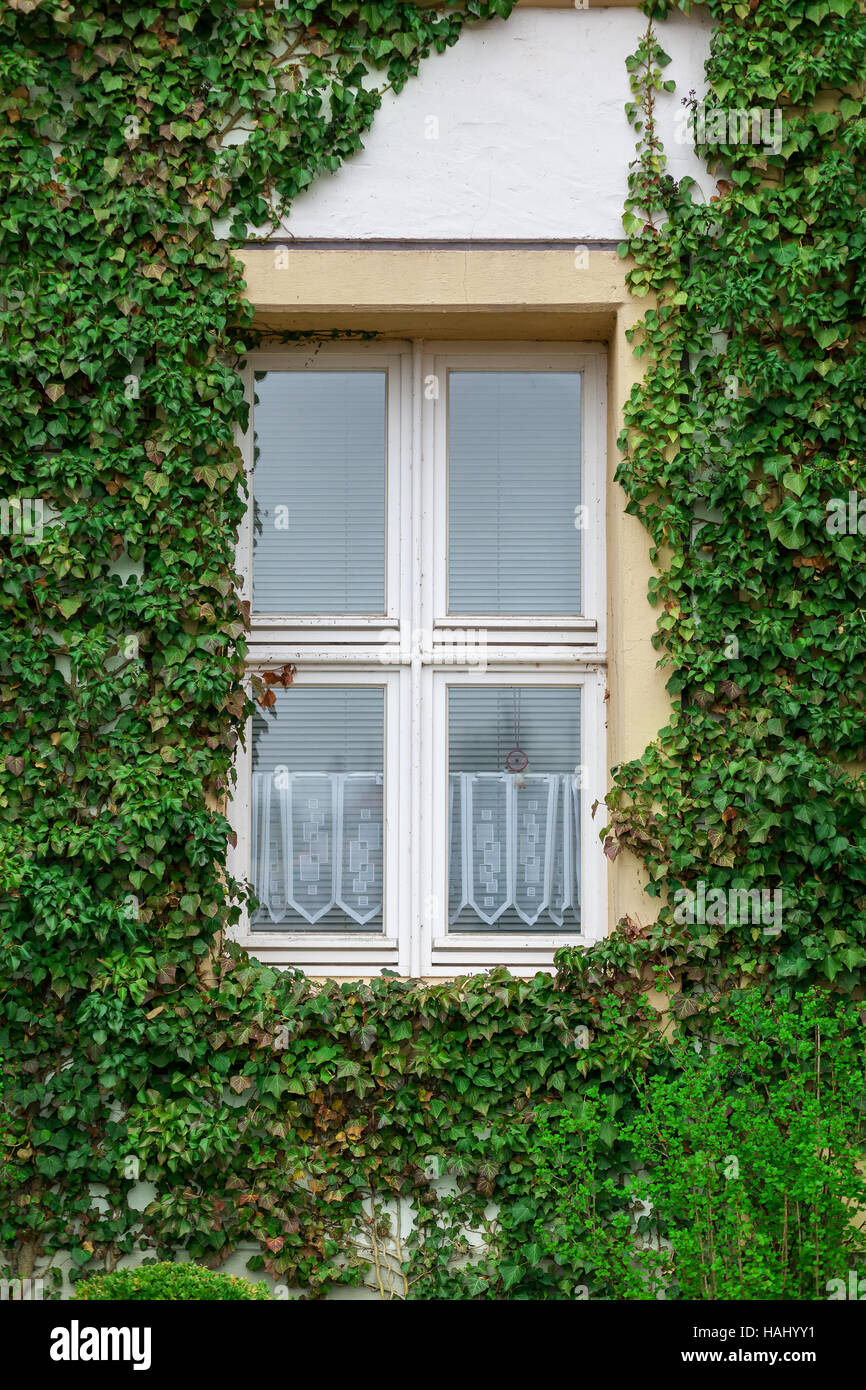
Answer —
(532, 137)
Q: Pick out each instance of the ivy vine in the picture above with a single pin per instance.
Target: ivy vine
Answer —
(138, 143)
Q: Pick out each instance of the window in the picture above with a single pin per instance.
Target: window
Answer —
(425, 543)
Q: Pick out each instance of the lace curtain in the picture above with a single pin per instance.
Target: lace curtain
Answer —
(513, 848)
(317, 846)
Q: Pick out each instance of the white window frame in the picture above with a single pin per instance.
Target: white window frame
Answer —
(330, 952)
(409, 650)
(572, 637)
(449, 953)
(332, 636)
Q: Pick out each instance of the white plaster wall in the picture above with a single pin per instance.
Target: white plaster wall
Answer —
(532, 142)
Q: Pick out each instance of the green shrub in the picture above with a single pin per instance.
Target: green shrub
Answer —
(181, 1283)
(745, 1153)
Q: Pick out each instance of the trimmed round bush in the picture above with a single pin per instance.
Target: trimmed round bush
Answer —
(182, 1283)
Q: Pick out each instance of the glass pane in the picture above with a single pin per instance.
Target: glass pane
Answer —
(319, 493)
(317, 810)
(514, 808)
(513, 486)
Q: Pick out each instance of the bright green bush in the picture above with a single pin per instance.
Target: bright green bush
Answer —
(744, 1158)
(178, 1283)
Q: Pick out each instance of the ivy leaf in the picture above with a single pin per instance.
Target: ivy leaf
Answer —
(794, 482)
(157, 482)
(366, 1037)
(208, 475)
(684, 1005)
(511, 1274)
(825, 337)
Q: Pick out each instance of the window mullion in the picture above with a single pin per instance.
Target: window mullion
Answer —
(415, 855)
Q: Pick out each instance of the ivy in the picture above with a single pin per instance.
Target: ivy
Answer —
(749, 421)
(138, 144)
